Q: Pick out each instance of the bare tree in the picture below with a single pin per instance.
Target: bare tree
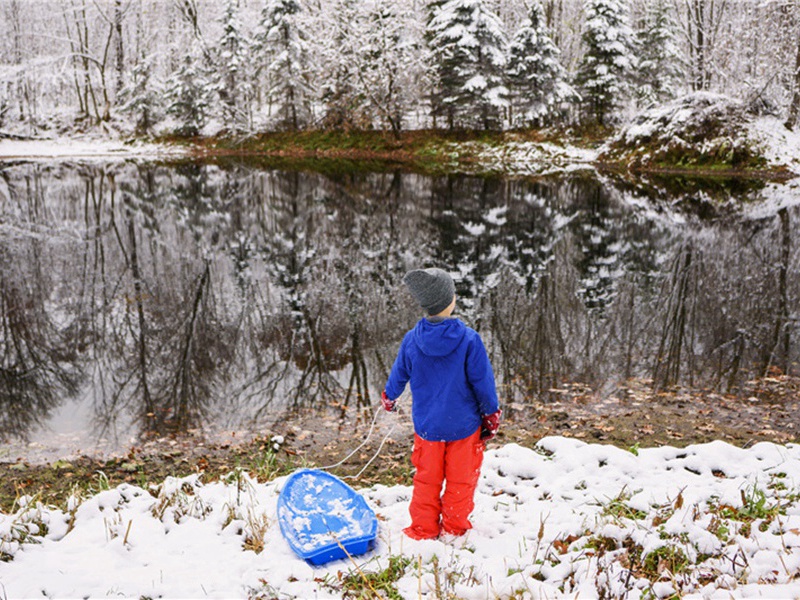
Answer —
(700, 21)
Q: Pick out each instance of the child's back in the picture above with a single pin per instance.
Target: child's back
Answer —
(454, 408)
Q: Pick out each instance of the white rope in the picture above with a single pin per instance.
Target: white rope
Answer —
(378, 411)
(361, 445)
(374, 456)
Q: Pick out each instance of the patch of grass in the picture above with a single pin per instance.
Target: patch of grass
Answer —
(618, 508)
(664, 558)
(371, 584)
(755, 505)
(600, 544)
(27, 526)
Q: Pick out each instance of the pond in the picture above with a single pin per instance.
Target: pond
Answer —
(141, 299)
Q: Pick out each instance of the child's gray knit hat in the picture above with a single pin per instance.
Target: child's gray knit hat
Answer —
(433, 289)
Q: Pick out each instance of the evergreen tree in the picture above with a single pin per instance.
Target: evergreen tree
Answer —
(602, 74)
(535, 75)
(280, 43)
(188, 93)
(435, 93)
(345, 104)
(468, 49)
(658, 70)
(233, 81)
(141, 98)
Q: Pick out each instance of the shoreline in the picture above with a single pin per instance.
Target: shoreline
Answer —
(635, 417)
(504, 154)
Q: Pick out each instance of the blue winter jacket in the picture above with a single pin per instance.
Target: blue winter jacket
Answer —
(452, 383)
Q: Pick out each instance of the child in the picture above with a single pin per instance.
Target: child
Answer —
(455, 408)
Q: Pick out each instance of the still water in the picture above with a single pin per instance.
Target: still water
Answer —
(140, 299)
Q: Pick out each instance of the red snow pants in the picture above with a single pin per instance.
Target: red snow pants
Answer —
(457, 465)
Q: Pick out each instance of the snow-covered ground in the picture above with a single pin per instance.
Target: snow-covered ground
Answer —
(83, 148)
(705, 127)
(566, 519)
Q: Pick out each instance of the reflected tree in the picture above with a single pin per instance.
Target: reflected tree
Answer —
(39, 358)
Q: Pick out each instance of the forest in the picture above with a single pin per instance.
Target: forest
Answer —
(236, 67)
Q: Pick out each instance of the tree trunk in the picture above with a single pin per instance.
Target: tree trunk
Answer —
(699, 82)
(119, 50)
(152, 420)
(794, 107)
(781, 340)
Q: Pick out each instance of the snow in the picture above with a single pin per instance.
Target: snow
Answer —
(526, 157)
(781, 146)
(83, 149)
(564, 519)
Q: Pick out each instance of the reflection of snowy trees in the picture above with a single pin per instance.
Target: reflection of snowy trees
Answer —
(182, 292)
(38, 353)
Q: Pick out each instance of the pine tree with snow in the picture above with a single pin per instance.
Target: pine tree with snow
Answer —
(658, 70)
(141, 98)
(603, 73)
(279, 42)
(468, 50)
(536, 79)
(233, 80)
(188, 93)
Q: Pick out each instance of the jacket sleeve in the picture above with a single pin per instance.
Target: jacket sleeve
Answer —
(481, 377)
(401, 372)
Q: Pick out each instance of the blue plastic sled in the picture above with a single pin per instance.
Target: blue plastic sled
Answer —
(323, 518)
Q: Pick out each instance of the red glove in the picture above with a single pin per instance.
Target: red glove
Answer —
(490, 424)
(388, 403)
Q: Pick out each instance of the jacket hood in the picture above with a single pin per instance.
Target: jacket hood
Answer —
(438, 339)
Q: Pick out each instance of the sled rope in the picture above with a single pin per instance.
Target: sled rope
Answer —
(378, 411)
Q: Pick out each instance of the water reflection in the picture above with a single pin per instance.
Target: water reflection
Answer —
(171, 295)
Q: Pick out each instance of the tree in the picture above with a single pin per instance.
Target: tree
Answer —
(386, 60)
(468, 48)
(701, 27)
(603, 70)
(279, 41)
(535, 75)
(232, 81)
(188, 93)
(345, 105)
(141, 98)
(658, 70)
(794, 107)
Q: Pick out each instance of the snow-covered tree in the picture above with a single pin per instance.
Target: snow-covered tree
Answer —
(188, 93)
(281, 44)
(345, 104)
(536, 78)
(141, 98)
(388, 61)
(468, 50)
(606, 65)
(232, 79)
(658, 70)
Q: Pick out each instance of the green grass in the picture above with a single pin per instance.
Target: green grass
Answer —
(372, 584)
(618, 508)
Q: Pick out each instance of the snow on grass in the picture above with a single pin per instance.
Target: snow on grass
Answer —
(564, 519)
(705, 129)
